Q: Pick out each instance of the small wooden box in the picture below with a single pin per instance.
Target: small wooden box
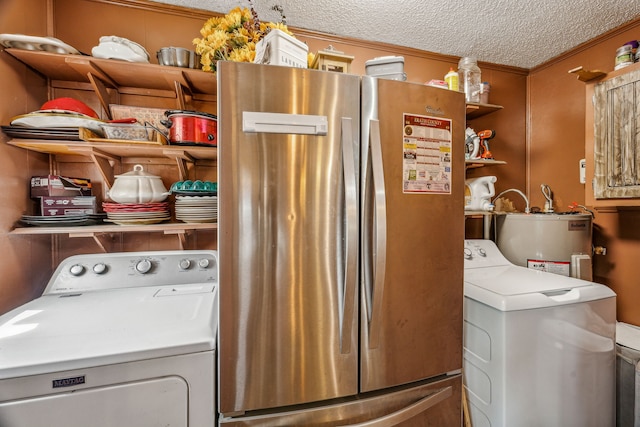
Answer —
(332, 60)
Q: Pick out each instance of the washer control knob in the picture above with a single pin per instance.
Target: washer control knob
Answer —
(184, 264)
(77, 270)
(143, 266)
(204, 263)
(100, 268)
(467, 253)
(482, 252)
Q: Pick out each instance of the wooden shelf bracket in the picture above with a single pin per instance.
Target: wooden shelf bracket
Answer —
(101, 90)
(101, 239)
(587, 75)
(182, 237)
(103, 161)
(182, 158)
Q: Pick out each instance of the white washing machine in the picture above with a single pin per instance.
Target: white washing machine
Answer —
(120, 339)
(628, 375)
(539, 348)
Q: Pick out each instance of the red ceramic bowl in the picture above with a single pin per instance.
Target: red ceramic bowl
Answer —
(69, 104)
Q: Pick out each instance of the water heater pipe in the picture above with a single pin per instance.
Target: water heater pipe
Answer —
(526, 209)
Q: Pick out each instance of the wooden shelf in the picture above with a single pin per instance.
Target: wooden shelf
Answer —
(99, 232)
(475, 110)
(478, 163)
(80, 148)
(84, 231)
(104, 154)
(477, 213)
(117, 74)
(587, 75)
(124, 77)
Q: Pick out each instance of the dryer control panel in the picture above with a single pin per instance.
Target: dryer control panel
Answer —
(480, 253)
(93, 272)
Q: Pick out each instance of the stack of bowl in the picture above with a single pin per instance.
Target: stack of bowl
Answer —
(196, 201)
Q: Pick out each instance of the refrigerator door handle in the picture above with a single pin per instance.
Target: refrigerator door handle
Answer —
(380, 234)
(300, 124)
(351, 230)
(408, 412)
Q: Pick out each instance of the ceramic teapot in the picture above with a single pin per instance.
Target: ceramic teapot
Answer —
(137, 186)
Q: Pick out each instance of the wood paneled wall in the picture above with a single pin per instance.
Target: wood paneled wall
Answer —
(25, 264)
(556, 143)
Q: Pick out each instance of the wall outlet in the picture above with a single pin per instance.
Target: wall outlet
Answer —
(583, 171)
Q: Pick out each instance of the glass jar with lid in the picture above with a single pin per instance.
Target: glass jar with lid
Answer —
(470, 78)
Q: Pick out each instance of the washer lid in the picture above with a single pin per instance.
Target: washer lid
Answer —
(510, 288)
(628, 335)
(78, 330)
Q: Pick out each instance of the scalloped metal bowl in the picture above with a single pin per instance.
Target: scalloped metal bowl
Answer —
(178, 57)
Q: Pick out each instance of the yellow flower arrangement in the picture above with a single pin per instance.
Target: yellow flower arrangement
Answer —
(232, 37)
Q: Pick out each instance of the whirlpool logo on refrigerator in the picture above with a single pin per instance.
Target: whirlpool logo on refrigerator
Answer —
(68, 382)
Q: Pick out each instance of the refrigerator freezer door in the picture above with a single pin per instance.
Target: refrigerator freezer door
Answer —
(436, 403)
(412, 184)
(288, 235)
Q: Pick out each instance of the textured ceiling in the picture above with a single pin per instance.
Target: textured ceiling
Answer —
(520, 33)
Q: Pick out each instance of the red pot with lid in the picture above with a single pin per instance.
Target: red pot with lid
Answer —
(191, 127)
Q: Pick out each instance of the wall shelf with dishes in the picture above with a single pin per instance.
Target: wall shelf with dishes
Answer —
(104, 155)
(106, 77)
(125, 77)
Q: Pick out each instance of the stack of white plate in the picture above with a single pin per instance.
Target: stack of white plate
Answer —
(197, 209)
(136, 213)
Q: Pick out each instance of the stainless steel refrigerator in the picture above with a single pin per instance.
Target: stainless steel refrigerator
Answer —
(340, 238)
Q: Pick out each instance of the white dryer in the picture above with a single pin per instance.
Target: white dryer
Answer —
(120, 339)
(539, 348)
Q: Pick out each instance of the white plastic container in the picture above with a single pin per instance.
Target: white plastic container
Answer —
(279, 48)
(386, 67)
(478, 193)
(470, 79)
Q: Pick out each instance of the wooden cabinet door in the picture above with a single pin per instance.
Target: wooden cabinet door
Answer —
(617, 137)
